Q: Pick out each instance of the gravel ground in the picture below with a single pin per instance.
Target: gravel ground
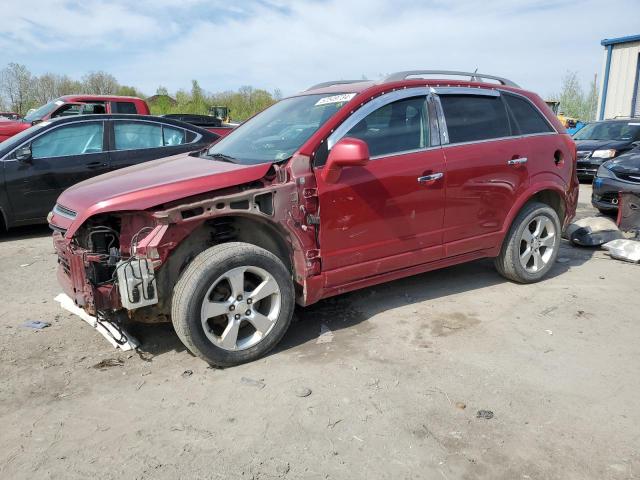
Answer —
(397, 382)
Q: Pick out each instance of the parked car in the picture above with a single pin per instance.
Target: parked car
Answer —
(40, 163)
(614, 176)
(71, 105)
(601, 141)
(9, 116)
(211, 123)
(343, 186)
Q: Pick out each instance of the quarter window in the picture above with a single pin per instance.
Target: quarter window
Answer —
(69, 140)
(173, 136)
(528, 118)
(473, 117)
(397, 127)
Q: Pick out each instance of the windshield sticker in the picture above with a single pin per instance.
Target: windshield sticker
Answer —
(345, 97)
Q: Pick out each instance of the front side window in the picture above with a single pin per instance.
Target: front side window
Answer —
(471, 118)
(397, 127)
(528, 118)
(276, 133)
(69, 140)
(137, 135)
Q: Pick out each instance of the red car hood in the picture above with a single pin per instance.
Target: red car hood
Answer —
(8, 128)
(152, 183)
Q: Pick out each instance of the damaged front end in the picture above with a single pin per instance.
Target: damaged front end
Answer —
(128, 262)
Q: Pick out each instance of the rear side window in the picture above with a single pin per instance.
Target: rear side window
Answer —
(528, 118)
(397, 127)
(123, 107)
(471, 118)
(137, 135)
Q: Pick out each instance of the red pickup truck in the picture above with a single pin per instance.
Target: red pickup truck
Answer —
(95, 104)
(74, 105)
(343, 186)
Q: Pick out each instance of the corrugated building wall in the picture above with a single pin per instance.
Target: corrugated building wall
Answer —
(620, 90)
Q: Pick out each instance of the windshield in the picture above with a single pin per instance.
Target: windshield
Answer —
(610, 131)
(276, 133)
(42, 111)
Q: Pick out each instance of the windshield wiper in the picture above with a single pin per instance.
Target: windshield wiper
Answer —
(222, 156)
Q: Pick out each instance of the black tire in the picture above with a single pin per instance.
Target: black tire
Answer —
(508, 262)
(194, 284)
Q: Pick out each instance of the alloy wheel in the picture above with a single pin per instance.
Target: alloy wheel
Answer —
(537, 243)
(241, 308)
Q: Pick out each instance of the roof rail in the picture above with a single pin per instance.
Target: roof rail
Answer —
(474, 77)
(332, 83)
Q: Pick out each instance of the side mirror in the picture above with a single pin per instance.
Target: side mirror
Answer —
(23, 154)
(348, 152)
(35, 122)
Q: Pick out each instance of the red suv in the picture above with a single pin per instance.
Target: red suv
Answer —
(343, 186)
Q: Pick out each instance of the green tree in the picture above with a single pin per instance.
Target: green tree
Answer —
(15, 87)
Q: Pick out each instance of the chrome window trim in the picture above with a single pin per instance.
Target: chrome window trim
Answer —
(478, 91)
(370, 107)
(511, 137)
(103, 121)
(406, 152)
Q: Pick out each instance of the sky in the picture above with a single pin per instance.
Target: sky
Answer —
(291, 45)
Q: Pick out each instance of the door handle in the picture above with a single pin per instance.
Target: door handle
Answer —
(94, 165)
(517, 161)
(430, 178)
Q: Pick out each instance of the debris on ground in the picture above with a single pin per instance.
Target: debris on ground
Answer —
(550, 332)
(461, 405)
(108, 363)
(187, 373)
(253, 383)
(302, 392)
(326, 335)
(486, 414)
(36, 324)
(624, 249)
(563, 260)
(592, 231)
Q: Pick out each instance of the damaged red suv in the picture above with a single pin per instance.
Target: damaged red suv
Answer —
(343, 186)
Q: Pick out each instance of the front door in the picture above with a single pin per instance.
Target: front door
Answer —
(388, 214)
(60, 158)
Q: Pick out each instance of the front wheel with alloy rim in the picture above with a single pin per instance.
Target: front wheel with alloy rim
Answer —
(233, 303)
(532, 244)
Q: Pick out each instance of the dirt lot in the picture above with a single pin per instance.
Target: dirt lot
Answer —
(396, 385)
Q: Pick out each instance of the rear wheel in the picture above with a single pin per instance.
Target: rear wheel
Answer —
(532, 244)
(233, 304)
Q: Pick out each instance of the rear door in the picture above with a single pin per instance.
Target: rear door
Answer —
(61, 157)
(487, 167)
(138, 141)
(382, 216)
